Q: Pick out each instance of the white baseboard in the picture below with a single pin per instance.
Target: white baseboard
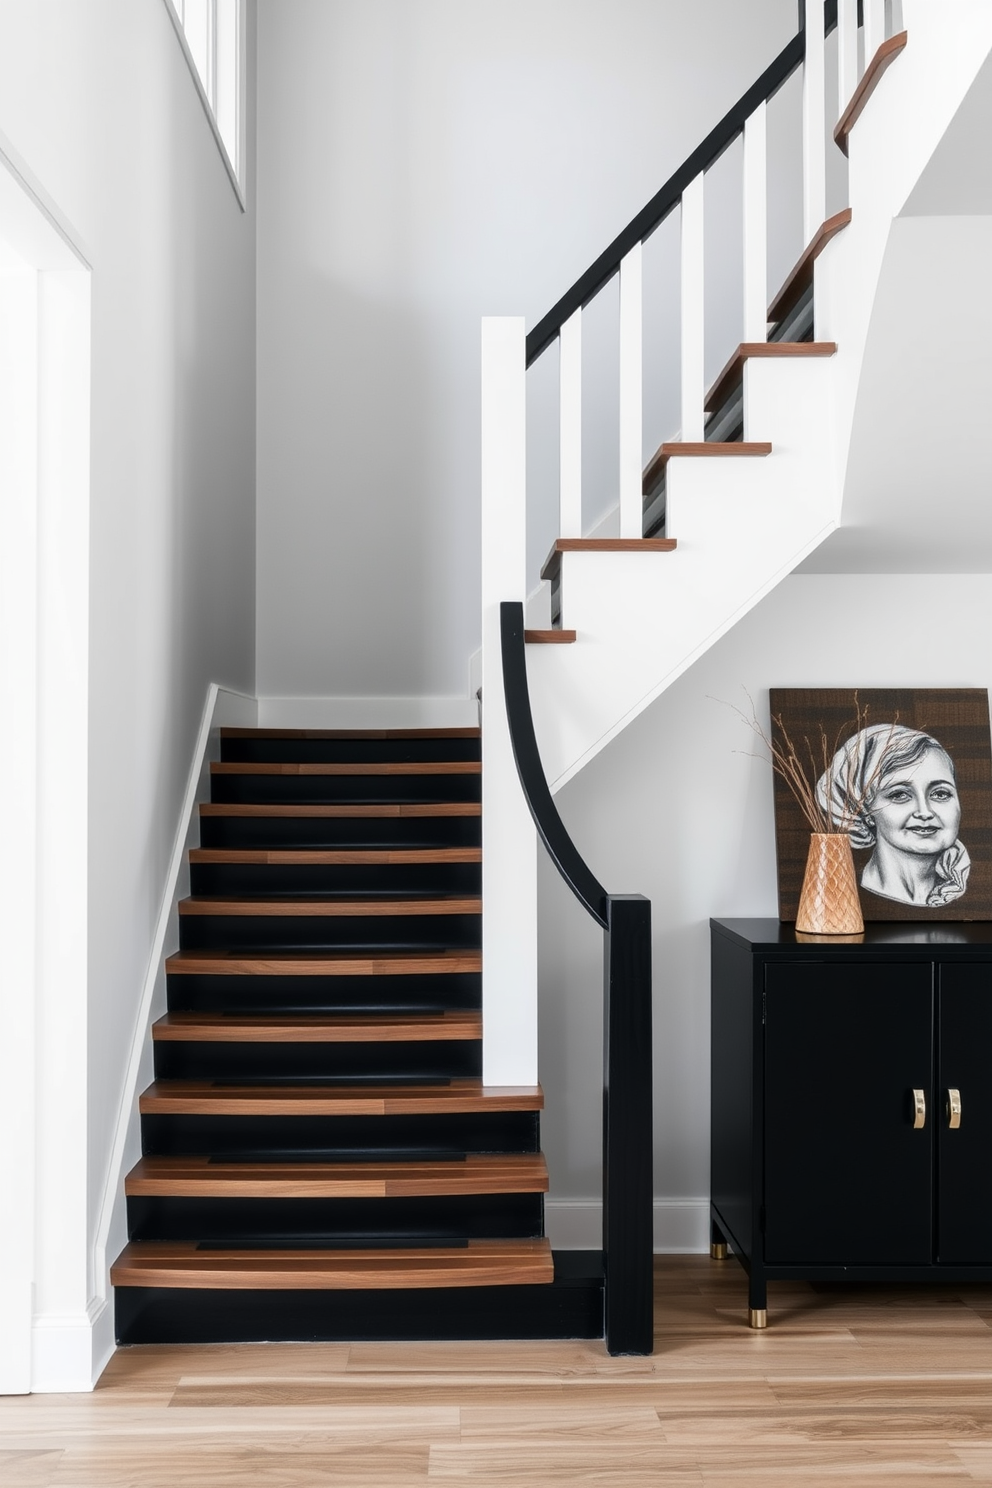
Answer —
(58, 1342)
(681, 1226)
(368, 712)
(69, 1351)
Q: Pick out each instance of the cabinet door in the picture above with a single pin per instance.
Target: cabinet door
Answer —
(847, 1177)
(964, 1153)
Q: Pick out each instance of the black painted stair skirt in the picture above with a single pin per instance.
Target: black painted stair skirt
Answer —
(321, 1159)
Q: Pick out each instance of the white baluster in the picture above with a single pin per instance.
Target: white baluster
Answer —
(847, 52)
(874, 12)
(756, 226)
(631, 375)
(509, 844)
(570, 416)
(693, 314)
(814, 124)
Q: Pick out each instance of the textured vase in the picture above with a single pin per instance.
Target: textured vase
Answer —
(829, 904)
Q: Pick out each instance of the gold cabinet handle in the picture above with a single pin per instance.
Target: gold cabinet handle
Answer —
(953, 1109)
(919, 1110)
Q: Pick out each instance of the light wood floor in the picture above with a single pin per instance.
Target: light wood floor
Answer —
(880, 1388)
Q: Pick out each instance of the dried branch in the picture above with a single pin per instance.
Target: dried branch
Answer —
(788, 762)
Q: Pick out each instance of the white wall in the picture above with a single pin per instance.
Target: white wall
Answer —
(422, 165)
(97, 101)
(678, 808)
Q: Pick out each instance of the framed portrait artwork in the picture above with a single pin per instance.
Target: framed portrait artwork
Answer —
(908, 772)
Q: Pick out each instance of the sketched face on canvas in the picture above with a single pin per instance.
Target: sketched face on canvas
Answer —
(895, 792)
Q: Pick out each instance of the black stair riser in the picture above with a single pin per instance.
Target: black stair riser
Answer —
(364, 934)
(350, 832)
(568, 1309)
(350, 751)
(330, 994)
(267, 1221)
(367, 1062)
(476, 1131)
(315, 790)
(260, 880)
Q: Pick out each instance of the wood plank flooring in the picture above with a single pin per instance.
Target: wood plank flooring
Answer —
(875, 1388)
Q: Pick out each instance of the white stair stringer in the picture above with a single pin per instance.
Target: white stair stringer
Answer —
(744, 523)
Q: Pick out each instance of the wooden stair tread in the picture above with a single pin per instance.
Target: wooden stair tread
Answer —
(734, 370)
(295, 733)
(697, 450)
(331, 908)
(319, 856)
(549, 637)
(883, 58)
(320, 767)
(335, 810)
(205, 1098)
(478, 1263)
(321, 963)
(319, 1029)
(800, 277)
(200, 1177)
(604, 545)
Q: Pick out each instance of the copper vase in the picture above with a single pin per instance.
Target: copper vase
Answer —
(829, 904)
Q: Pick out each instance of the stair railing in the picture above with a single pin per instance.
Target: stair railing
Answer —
(685, 190)
(628, 1236)
(509, 848)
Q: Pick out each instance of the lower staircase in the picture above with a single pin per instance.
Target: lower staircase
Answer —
(321, 1158)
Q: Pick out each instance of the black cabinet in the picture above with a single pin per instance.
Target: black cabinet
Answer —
(852, 1103)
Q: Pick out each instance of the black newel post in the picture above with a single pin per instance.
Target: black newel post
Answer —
(628, 1220)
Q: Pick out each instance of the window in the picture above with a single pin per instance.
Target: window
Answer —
(212, 33)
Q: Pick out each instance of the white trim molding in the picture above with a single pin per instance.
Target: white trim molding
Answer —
(367, 712)
(681, 1226)
(235, 167)
(222, 708)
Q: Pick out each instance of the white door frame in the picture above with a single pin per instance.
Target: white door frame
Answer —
(44, 672)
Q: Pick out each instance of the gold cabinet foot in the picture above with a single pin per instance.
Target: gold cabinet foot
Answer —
(718, 1251)
(757, 1317)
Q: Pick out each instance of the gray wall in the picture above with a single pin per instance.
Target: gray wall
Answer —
(679, 808)
(97, 99)
(421, 165)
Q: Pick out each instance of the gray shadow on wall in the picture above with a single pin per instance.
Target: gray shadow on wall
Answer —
(349, 495)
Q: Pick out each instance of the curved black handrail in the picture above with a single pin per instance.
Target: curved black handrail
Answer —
(564, 854)
(664, 201)
(627, 1080)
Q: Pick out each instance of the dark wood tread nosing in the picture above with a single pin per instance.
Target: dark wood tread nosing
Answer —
(351, 767)
(549, 637)
(695, 449)
(345, 856)
(603, 545)
(318, 1028)
(884, 56)
(732, 373)
(387, 733)
(331, 908)
(203, 1097)
(476, 1263)
(322, 963)
(800, 277)
(477, 1173)
(334, 810)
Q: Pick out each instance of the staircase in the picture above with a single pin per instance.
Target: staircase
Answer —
(753, 478)
(331, 1150)
(321, 1159)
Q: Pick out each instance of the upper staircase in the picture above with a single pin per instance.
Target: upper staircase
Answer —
(754, 480)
